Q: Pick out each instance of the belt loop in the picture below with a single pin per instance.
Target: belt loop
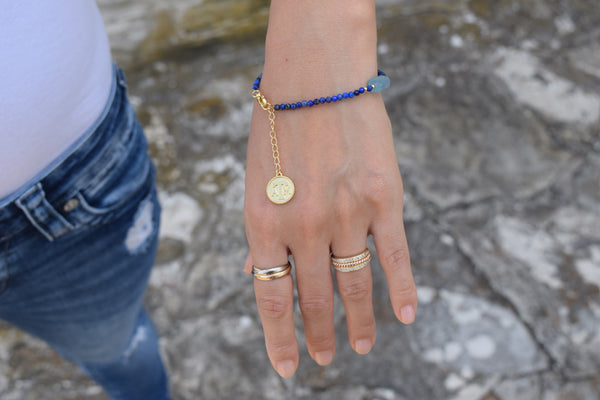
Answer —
(41, 214)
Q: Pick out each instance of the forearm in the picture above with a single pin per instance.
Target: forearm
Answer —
(341, 159)
(315, 46)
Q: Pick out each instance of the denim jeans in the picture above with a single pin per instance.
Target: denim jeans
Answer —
(76, 250)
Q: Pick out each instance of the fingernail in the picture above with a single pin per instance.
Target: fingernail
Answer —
(286, 368)
(407, 314)
(324, 357)
(363, 346)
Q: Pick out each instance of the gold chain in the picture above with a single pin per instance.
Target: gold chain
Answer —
(280, 188)
(274, 147)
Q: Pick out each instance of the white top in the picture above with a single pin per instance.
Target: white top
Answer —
(55, 78)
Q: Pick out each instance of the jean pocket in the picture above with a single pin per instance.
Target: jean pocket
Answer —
(114, 199)
(116, 189)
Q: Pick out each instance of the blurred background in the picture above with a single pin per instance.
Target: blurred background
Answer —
(496, 110)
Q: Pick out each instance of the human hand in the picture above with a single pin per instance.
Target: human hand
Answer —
(342, 161)
(341, 158)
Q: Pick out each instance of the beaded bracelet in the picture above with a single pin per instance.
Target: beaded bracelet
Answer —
(280, 188)
(377, 84)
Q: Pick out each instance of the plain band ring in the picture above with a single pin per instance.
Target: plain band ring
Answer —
(352, 263)
(271, 273)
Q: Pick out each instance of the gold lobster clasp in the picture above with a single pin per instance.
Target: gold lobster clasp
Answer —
(262, 100)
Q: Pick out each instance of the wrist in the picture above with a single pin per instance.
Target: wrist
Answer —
(316, 46)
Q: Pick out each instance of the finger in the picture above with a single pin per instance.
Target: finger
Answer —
(315, 297)
(356, 291)
(390, 241)
(275, 300)
(355, 287)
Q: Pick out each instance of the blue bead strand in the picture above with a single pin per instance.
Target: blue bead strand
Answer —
(374, 85)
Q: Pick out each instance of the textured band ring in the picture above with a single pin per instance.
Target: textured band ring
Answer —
(271, 273)
(352, 263)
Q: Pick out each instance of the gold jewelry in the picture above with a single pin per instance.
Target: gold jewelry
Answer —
(272, 273)
(352, 263)
(280, 188)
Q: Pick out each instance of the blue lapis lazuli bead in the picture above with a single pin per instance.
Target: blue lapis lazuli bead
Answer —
(377, 84)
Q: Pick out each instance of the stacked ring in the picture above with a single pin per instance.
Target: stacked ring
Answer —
(271, 273)
(352, 263)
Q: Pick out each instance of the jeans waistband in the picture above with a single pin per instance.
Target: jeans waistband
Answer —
(76, 166)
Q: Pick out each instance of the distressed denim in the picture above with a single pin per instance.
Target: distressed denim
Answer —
(76, 250)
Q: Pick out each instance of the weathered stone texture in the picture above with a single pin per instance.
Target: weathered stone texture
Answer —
(496, 112)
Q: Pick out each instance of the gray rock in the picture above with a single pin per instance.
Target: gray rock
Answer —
(495, 110)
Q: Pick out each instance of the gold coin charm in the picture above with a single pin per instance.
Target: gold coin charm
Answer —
(280, 189)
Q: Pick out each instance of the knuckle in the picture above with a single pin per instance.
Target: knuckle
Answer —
(368, 325)
(273, 307)
(261, 226)
(378, 188)
(282, 349)
(316, 306)
(345, 207)
(397, 260)
(364, 326)
(384, 190)
(319, 341)
(406, 289)
(356, 291)
(313, 209)
(311, 221)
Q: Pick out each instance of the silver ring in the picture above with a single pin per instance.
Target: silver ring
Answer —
(270, 274)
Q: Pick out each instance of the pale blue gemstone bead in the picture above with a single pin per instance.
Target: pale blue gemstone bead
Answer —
(380, 82)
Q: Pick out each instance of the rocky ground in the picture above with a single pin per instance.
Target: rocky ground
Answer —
(496, 111)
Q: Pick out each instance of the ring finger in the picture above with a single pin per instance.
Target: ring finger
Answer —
(356, 291)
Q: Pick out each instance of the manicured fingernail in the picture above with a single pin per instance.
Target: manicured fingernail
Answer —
(363, 346)
(286, 368)
(324, 357)
(407, 314)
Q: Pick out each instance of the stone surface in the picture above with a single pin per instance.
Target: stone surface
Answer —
(496, 115)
